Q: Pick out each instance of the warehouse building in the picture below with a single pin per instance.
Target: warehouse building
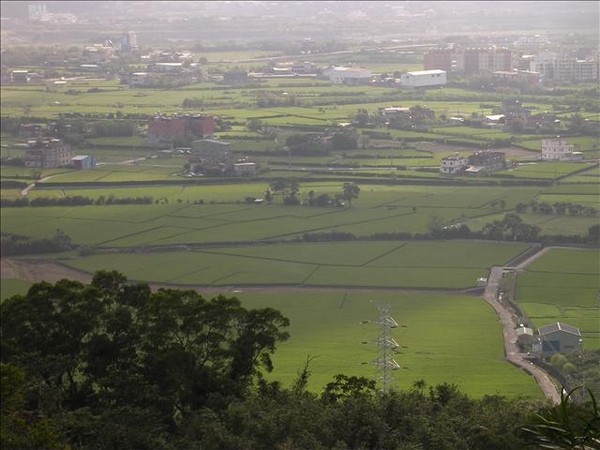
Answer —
(423, 78)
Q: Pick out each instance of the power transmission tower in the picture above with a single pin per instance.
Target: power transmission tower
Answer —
(387, 346)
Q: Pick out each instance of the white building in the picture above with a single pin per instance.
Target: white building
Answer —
(244, 169)
(140, 79)
(557, 67)
(424, 78)
(451, 165)
(348, 75)
(557, 149)
(168, 67)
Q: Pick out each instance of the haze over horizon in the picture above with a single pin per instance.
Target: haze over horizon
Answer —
(156, 21)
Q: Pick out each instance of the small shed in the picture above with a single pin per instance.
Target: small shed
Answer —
(525, 338)
(559, 338)
(83, 162)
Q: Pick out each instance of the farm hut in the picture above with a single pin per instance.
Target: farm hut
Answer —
(244, 169)
(559, 338)
(83, 162)
(525, 338)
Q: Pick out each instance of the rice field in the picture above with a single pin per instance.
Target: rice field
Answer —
(454, 339)
(564, 286)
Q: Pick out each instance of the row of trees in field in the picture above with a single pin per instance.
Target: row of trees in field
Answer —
(288, 189)
(116, 365)
(559, 208)
(11, 244)
(76, 200)
(510, 228)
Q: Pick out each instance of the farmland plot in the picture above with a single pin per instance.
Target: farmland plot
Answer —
(563, 286)
(454, 339)
(457, 264)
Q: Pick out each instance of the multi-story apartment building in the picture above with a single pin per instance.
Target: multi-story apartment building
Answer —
(477, 60)
(485, 162)
(556, 67)
(469, 61)
(48, 154)
(558, 149)
(168, 130)
(440, 59)
(454, 164)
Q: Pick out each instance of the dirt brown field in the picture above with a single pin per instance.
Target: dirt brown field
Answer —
(36, 271)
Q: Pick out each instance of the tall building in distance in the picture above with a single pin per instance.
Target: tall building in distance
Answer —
(36, 10)
(477, 60)
(469, 61)
(440, 59)
(128, 42)
(556, 67)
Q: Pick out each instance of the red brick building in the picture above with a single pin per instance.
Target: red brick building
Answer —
(439, 58)
(172, 129)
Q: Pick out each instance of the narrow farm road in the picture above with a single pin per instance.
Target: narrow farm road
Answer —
(26, 190)
(509, 325)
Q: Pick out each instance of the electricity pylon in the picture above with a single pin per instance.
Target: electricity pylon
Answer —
(387, 345)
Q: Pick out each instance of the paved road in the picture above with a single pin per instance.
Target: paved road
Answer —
(511, 350)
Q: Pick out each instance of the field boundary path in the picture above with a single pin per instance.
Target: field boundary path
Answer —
(506, 317)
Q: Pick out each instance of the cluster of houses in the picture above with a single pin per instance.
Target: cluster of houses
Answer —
(478, 163)
(503, 64)
(214, 158)
(506, 65)
(486, 162)
(207, 156)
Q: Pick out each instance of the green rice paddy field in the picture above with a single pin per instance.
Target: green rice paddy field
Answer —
(455, 339)
(564, 286)
(456, 264)
(176, 217)
(451, 337)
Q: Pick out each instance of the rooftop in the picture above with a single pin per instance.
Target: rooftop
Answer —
(558, 326)
(426, 72)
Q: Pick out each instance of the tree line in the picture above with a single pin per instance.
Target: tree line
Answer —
(75, 200)
(510, 228)
(11, 244)
(558, 208)
(115, 365)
